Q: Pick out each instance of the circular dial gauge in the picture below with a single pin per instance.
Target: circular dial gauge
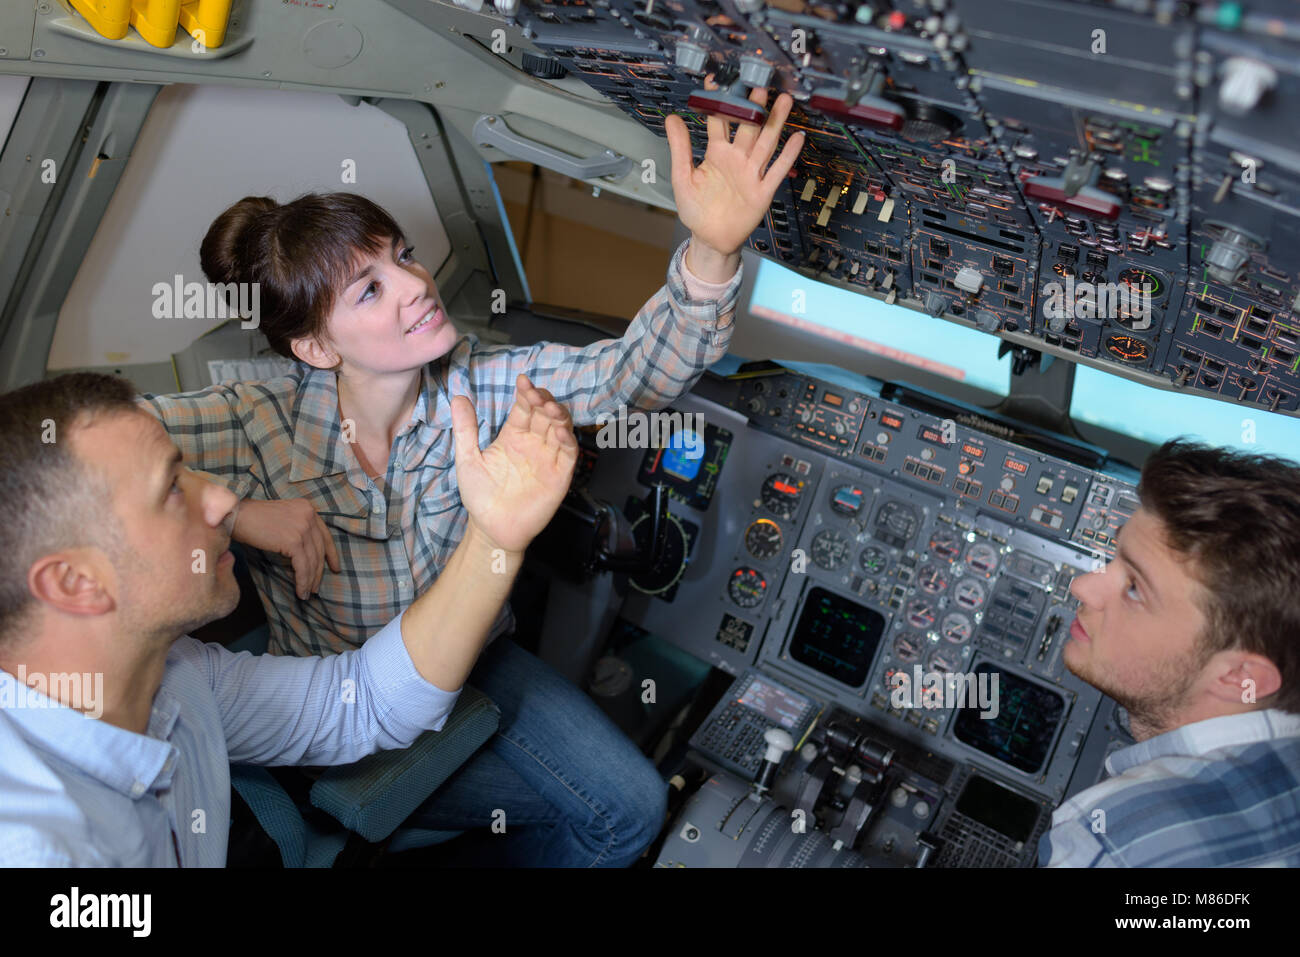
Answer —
(830, 549)
(847, 500)
(969, 594)
(746, 587)
(763, 539)
(982, 559)
(896, 523)
(944, 660)
(1135, 279)
(921, 613)
(670, 567)
(946, 544)
(897, 678)
(1128, 349)
(956, 628)
(780, 495)
(932, 579)
(873, 560)
(909, 647)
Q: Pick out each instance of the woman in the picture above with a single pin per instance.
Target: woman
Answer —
(348, 462)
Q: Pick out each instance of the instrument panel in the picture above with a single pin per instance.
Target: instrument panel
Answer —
(1118, 184)
(903, 569)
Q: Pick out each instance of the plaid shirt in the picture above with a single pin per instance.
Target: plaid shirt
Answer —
(282, 439)
(1223, 792)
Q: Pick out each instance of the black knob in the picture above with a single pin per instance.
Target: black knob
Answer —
(543, 67)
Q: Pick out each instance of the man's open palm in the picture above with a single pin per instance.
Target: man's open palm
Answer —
(513, 487)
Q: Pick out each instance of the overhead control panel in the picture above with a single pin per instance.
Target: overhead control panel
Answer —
(1115, 183)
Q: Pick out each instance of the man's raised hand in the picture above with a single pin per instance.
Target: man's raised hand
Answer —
(513, 487)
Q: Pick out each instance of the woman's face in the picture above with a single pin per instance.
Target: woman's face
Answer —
(388, 317)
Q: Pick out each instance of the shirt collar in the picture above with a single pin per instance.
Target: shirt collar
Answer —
(123, 760)
(318, 449)
(317, 434)
(1201, 737)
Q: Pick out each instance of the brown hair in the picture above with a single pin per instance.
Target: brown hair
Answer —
(1238, 516)
(53, 500)
(300, 254)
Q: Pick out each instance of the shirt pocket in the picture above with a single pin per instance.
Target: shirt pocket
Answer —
(441, 498)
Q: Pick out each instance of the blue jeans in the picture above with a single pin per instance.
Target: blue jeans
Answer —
(574, 789)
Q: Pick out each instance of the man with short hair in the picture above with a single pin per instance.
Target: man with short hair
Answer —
(111, 550)
(1195, 629)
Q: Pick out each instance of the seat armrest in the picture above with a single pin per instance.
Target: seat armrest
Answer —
(376, 794)
(274, 810)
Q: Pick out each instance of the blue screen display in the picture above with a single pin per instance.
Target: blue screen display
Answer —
(678, 459)
(892, 332)
(1155, 415)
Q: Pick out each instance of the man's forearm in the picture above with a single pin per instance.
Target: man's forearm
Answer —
(445, 628)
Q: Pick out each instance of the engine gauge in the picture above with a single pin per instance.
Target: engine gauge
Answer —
(747, 587)
(780, 495)
(982, 559)
(932, 579)
(956, 628)
(1140, 281)
(1128, 349)
(944, 661)
(921, 613)
(763, 539)
(896, 678)
(969, 594)
(909, 647)
(945, 544)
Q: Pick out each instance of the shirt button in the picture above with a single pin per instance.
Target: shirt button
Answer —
(137, 789)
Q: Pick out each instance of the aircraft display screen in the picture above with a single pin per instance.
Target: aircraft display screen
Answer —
(689, 463)
(1153, 416)
(997, 808)
(892, 332)
(837, 637)
(774, 702)
(1022, 730)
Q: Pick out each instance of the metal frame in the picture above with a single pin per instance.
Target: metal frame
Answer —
(88, 130)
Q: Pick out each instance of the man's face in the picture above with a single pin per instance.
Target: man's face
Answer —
(173, 570)
(1135, 634)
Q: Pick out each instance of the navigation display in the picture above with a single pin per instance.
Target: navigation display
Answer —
(837, 637)
(1026, 721)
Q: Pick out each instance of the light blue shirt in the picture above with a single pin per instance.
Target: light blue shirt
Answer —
(78, 791)
(1223, 792)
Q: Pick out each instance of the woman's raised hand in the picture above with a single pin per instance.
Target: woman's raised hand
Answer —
(513, 487)
(723, 199)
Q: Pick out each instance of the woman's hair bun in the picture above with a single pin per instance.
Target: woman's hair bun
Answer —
(223, 251)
